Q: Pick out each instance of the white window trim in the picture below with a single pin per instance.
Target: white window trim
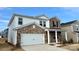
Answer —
(43, 23)
(19, 21)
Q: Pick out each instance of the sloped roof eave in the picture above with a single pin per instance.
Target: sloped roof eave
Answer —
(28, 25)
(68, 23)
(23, 16)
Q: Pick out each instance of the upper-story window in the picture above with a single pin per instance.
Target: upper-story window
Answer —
(76, 25)
(54, 24)
(41, 23)
(77, 28)
(44, 23)
(20, 21)
(57, 23)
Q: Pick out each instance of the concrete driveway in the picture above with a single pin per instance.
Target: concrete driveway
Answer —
(44, 47)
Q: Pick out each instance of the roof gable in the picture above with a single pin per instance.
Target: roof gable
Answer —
(54, 19)
(42, 16)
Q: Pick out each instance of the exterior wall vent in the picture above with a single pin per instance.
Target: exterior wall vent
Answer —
(33, 26)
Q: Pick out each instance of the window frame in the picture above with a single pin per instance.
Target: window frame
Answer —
(53, 23)
(20, 21)
(44, 23)
(57, 23)
(41, 22)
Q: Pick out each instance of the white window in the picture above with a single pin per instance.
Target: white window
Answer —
(43, 23)
(76, 25)
(20, 21)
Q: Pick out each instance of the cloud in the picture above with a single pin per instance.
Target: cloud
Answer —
(7, 8)
(3, 24)
(72, 9)
(4, 21)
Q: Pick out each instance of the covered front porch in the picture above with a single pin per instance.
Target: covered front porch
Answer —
(54, 36)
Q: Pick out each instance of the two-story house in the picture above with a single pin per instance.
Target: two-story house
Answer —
(72, 29)
(29, 30)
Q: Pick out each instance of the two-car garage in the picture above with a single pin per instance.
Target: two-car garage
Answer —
(30, 39)
(30, 35)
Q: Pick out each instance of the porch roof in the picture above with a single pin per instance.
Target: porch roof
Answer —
(52, 29)
(55, 30)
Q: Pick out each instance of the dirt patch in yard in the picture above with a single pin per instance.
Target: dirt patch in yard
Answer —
(4, 46)
(72, 47)
(7, 47)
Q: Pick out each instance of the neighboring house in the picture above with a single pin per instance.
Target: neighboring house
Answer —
(4, 33)
(72, 29)
(29, 30)
(0, 35)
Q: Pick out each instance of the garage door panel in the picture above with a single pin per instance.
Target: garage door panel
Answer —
(29, 39)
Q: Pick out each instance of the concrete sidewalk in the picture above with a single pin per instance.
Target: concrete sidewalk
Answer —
(44, 47)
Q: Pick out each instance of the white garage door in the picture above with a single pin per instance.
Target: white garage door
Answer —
(30, 39)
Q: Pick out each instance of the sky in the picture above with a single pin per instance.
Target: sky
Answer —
(65, 14)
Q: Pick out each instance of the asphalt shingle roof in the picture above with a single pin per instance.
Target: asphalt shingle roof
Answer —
(68, 23)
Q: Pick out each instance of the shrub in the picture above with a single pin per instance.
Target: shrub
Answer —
(77, 49)
(70, 41)
(63, 41)
(12, 49)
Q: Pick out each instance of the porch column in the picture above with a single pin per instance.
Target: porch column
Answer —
(48, 37)
(66, 36)
(56, 36)
(77, 37)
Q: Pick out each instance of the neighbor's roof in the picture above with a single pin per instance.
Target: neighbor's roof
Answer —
(25, 16)
(68, 23)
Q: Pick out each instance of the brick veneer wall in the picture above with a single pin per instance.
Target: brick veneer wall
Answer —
(28, 29)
